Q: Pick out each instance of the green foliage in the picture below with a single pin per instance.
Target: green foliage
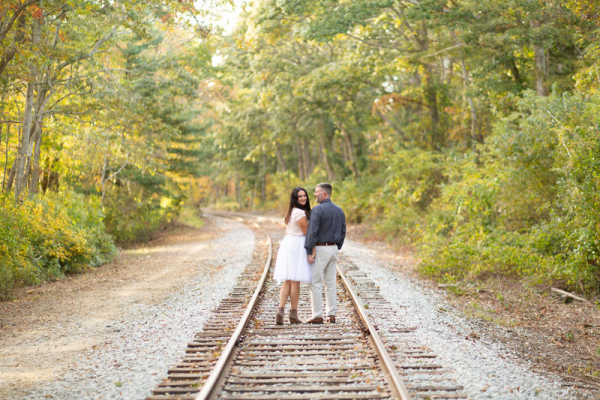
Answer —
(190, 216)
(411, 181)
(86, 216)
(525, 204)
(530, 206)
(140, 207)
(419, 112)
(353, 195)
(49, 236)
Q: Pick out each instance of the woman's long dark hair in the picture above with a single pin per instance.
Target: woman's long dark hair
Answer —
(295, 204)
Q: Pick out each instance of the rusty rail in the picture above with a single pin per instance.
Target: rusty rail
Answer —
(379, 346)
(343, 360)
(211, 383)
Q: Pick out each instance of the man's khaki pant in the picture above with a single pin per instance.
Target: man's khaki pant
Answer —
(324, 273)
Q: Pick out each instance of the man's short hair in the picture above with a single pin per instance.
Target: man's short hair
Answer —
(326, 187)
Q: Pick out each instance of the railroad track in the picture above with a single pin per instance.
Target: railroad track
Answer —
(242, 354)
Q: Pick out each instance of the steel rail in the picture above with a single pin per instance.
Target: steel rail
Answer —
(211, 383)
(379, 346)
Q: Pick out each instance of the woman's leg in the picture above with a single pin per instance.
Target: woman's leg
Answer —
(284, 293)
(294, 294)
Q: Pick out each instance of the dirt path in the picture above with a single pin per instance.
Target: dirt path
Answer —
(48, 330)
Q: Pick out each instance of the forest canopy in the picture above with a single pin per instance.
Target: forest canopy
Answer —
(466, 130)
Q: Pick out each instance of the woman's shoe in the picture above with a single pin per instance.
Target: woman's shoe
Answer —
(294, 317)
(279, 316)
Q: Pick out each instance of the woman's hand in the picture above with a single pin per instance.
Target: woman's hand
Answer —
(313, 256)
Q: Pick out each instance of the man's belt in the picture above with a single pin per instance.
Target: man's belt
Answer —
(326, 244)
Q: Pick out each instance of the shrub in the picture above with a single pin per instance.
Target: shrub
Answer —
(355, 196)
(134, 213)
(530, 206)
(412, 181)
(48, 236)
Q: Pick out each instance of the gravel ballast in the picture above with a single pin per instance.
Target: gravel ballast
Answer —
(486, 370)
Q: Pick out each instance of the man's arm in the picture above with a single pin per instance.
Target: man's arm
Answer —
(313, 229)
(341, 243)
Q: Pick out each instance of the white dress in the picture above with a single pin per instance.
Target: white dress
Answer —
(292, 263)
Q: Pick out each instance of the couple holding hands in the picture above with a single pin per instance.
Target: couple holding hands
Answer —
(308, 253)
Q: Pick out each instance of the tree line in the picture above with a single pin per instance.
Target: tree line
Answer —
(99, 127)
(465, 129)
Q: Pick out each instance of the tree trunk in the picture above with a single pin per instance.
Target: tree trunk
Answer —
(263, 180)
(306, 158)
(344, 153)
(50, 178)
(540, 70)
(45, 177)
(540, 64)
(34, 162)
(103, 179)
(11, 177)
(19, 37)
(44, 93)
(237, 192)
(28, 166)
(474, 136)
(466, 83)
(280, 159)
(351, 153)
(437, 138)
(298, 149)
(515, 71)
(324, 152)
(54, 178)
(24, 152)
(447, 67)
(5, 154)
(216, 191)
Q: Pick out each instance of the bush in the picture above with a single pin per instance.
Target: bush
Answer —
(48, 236)
(134, 213)
(412, 181)
(355, 196)
(530, 206)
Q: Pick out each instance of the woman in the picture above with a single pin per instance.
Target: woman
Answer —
(292, 266)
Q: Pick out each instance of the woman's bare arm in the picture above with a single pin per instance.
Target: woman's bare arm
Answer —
(303, 224)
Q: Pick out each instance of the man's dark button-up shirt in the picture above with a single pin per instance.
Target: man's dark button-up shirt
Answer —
(327, 225)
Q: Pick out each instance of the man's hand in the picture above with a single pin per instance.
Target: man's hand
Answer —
(311, 259)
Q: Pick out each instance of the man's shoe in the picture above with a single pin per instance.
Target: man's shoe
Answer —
(332, 319)
(318, 320)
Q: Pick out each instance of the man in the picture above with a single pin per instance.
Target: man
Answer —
(326, 231)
